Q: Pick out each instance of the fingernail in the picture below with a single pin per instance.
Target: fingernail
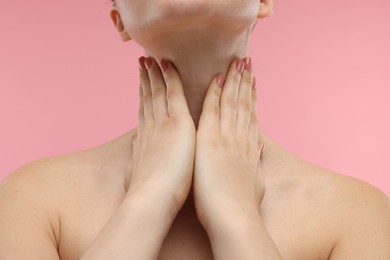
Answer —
(254, 83)
(164, 65)
(142, 63)
(220, 80)
(248, 64)
(240, 66)
(148, 62)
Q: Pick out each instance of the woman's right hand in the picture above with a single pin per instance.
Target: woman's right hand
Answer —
(164, 146)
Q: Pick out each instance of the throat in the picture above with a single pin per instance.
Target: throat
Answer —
(199, 58)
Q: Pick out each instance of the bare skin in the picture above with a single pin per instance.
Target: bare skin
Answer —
(307, 210)
(57, 207)
(66, 202)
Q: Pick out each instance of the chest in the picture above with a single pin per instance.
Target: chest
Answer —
(298, 231)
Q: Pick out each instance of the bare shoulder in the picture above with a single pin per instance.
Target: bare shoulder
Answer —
(86, 167)
(349, 193)
(37, 185)
(344, 188)
(33, 197)
(360, 213)
(29, 211)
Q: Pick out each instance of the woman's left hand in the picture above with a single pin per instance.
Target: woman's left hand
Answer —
(227, 179)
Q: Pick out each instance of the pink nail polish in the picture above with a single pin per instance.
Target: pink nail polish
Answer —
(148, 62)
(141, 61)
(240, 66)
(220, 80)
(248, 64)
(164, 65)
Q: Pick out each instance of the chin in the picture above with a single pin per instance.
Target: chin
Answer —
(149, 20)
(187, 7)
(201, 8)
(195, 14)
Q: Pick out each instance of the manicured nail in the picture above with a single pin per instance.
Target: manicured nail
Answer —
(220, 80)
(142, 63)
(148, 62)
(254, 83)
(164, 65)
(248, 64)
(240, 66)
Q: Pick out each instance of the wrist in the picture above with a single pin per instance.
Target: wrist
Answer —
(242, 236)
(232, 220)
(236, 228)
(152, 202)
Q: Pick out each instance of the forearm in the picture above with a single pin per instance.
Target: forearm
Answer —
(136, 230)
(243, 237)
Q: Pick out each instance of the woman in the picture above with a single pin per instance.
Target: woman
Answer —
(190, 182)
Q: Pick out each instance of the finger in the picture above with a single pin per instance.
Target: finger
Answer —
(209, 119)
(244, 99)
(159, 101)
(128, 174)
(254, 125)
(147, 92)
(133, 143)
(260, 184)
(229, 97)
(177, 103)
(141, 116)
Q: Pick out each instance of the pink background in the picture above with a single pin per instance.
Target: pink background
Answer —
(68, 83)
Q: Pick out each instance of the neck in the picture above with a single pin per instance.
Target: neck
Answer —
(199, 57)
